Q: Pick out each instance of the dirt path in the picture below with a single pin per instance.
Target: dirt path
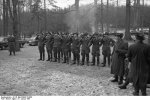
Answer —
(24, 75)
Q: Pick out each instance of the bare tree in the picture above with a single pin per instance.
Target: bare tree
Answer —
(128, 13)
(102, 24)
(77, 14)
(13, 5)
(96, 16)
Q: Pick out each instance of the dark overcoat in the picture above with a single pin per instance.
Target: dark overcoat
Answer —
(139, 56)
(118, 58)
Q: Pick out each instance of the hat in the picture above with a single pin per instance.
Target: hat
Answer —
(140, 36)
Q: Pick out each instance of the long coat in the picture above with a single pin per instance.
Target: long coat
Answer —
(139, 56)
(107, 41)
(96, 42)
(118, 58)
(11, 43)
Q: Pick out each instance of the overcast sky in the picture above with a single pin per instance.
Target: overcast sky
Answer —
(66, 3)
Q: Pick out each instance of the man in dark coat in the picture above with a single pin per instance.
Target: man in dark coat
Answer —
(66, 47)
(76, 48)
(57, 47)
(49, 46)
(139, 56)
(106, 50)
(96, 42)
(118, 59)
(12, 44)
(41, 44)
(85, 50)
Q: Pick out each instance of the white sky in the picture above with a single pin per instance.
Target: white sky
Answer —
(66, 3)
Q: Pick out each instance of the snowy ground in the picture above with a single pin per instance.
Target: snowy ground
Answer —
(24, 75)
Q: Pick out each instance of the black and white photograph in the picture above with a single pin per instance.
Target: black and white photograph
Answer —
(74, 48)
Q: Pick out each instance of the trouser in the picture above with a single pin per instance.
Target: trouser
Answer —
(42, 53)
(104, 59)
(142, 88)
(66, 56)
(49, 54)
(56, 53)
(76, 57)
(83, 58)
(93, 60)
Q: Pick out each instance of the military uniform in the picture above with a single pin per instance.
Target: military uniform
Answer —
(41, 44)
(49, 47)
(106, 50)
(85, 50)
(66, 47)
(57, 47)
(75, 48)
(12, 44)
(96, 42)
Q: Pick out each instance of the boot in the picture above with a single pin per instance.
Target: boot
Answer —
(93, 62)
(120, 81)
(124, 86)
(115, 79)
(97, 61)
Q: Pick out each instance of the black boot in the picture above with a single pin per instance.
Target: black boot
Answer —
(120, 81)
(93, 61)
(124, 86)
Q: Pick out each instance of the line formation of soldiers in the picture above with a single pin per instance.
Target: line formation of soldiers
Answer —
(62, 45)
(129, 63)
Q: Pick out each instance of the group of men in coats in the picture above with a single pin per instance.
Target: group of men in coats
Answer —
(60, 46)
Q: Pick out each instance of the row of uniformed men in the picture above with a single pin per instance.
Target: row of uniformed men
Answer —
(61, 45)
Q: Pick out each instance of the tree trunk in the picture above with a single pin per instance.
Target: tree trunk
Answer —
(77, 14)
(15, 23)
(149, 36)
(128, 13)
(4, 17)
(95, 21)
(107, 16)
(45, 16)
(102, 24)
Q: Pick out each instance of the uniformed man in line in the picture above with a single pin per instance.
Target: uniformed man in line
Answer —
(96, 42)
(57, 47)
(106, 50)
(49, 46)
(12, 44)
(41, 44)
(66, 47)
(85, 50)
(76, 43)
